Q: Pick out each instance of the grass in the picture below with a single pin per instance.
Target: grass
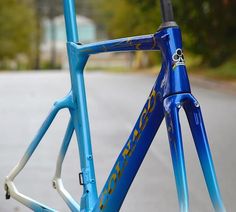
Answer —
(226, 71)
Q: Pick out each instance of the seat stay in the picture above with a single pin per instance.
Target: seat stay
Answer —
(57, 181)
(11, 190)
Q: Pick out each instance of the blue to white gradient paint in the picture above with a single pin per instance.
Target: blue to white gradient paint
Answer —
(170, 93)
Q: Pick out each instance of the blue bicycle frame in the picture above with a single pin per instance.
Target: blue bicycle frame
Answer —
(170, 93)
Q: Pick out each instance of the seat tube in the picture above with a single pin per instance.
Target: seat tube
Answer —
(70, 21)
(79, 113)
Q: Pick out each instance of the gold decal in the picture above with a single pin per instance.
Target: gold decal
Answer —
(129, 148)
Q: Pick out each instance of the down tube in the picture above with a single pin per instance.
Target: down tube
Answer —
(132, 155)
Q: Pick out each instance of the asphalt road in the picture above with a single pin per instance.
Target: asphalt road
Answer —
(114, 101)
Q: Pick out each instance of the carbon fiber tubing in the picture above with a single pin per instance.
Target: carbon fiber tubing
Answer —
(167, 11)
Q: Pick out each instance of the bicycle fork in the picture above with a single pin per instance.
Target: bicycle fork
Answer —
(172, 105)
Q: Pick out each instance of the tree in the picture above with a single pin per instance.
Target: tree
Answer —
(209, 26)
(17, 23)
(123, 18)
(50, 9)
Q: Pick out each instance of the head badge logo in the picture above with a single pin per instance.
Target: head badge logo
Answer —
(178, 58)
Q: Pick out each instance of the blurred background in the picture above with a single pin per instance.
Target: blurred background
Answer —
(34, 73)
(33, 37)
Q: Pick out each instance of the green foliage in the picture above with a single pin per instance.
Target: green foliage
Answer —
(17, 29)
(209, 26)
(123, 18)
(225, 71)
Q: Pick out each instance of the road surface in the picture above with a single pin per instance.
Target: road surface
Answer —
(114, 101)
